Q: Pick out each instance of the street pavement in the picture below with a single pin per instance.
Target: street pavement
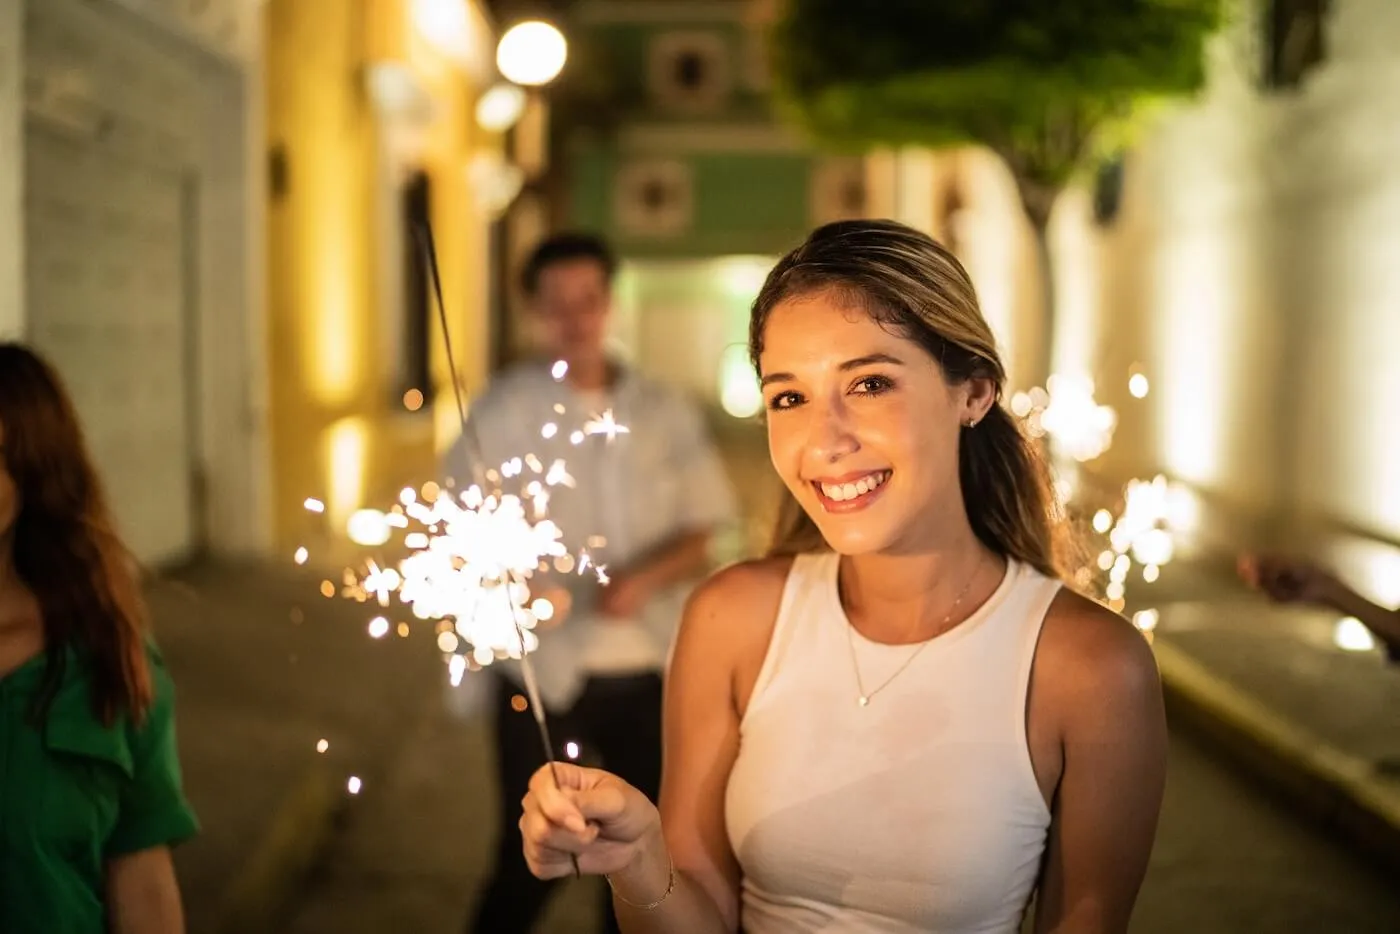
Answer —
(1228, 858)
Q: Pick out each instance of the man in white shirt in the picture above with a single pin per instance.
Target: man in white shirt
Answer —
(650, 500)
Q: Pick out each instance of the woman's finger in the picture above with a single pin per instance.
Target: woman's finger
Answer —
(555, 804)
(537, 827)
(548, 864)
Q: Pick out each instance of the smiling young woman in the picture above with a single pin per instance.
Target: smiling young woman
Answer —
(899, 720)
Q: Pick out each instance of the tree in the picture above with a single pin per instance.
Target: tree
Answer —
(1036, 81)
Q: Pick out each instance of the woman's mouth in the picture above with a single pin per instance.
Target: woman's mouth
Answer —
(851, 492)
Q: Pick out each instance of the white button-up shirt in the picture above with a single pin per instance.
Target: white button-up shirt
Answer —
(638, 491)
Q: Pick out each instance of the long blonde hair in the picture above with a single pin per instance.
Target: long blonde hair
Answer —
(910, 284)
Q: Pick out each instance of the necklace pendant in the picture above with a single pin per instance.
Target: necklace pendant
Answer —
(864, 701)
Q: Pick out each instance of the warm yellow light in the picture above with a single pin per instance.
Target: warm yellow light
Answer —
(329, 335)
(500, 107)
(744, 275)
(1198, 331)
(368, 527)
(1138, 386)
(345, 459)
(1351, 635)
(413, 400)
(532, 53)
(738, 384)
(1146, 620)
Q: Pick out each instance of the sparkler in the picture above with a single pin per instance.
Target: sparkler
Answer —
(467, 560)
(475, 550)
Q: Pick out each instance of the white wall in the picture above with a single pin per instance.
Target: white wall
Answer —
(217, 139)
(1258, 273)
(1253, 275)
(11, 170)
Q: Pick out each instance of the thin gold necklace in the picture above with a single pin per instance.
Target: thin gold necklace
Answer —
(865, 696)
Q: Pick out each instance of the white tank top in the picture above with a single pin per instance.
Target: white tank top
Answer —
(917, 813)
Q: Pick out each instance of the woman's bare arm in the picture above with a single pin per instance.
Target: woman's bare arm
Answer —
(1106, 696)
(722, 638)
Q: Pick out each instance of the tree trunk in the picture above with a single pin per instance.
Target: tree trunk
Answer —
(1038, 200)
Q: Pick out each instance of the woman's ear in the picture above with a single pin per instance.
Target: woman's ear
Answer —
(981, 396)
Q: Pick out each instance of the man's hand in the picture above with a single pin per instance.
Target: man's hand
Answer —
(625, 596)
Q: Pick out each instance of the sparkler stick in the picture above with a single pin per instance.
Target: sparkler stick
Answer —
(424, 233)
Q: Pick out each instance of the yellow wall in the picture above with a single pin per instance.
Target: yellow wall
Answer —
(339, 432)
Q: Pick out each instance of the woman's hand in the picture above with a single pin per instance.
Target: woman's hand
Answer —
(591, 814)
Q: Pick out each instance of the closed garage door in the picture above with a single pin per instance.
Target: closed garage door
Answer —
(108, 227)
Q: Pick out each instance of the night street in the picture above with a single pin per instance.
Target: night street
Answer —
(372, 342)
(1227, 860)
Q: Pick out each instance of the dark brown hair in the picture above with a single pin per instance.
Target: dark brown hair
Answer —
(567, 247)
(910, 284)
(65, 548)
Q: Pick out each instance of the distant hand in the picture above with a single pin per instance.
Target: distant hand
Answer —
(624, 597)
(1287, 580)
(591, 814)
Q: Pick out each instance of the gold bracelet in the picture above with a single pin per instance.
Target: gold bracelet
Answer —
(670, 887)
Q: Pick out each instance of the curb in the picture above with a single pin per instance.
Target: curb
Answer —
(297, 833)
(1339, 790)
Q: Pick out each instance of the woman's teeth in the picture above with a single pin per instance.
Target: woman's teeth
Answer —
(840, 492)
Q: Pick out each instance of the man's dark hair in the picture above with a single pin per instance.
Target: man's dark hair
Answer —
(566, 248)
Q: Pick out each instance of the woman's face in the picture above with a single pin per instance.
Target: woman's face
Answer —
(863, 427)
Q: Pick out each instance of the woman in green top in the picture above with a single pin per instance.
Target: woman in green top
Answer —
(90, 795)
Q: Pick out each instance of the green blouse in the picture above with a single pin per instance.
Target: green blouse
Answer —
(75, 793)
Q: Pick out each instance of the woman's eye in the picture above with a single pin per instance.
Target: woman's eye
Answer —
(873, 385)
(784, 400)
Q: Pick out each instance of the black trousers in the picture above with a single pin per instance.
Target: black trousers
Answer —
(616, 723)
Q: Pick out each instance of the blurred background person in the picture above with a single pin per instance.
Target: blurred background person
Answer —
(90, 796)
(1294, 580)
(652, 498)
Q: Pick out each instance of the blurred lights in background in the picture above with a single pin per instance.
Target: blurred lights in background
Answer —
(1351, 635)
(1066, 411)
(500, 107)
(531, 53)
(738, 383)
(1137, 384)
(368, 527)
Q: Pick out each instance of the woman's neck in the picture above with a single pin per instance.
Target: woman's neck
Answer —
(911, 597)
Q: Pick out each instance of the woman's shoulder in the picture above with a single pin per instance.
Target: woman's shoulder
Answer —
(1090, 654)
(738, 604)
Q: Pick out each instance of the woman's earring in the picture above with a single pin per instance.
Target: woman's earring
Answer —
(970, 423)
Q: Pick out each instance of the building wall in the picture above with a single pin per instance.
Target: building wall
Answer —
(697, 167)
(1250, 276)
(11, 170)
(356, 100)
(127, 244)
(1264, 265)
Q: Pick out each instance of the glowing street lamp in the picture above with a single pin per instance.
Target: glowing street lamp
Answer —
(531, 53)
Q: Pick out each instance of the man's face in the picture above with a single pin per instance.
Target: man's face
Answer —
(571, 305)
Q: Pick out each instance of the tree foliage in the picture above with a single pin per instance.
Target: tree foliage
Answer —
(1031, 79)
